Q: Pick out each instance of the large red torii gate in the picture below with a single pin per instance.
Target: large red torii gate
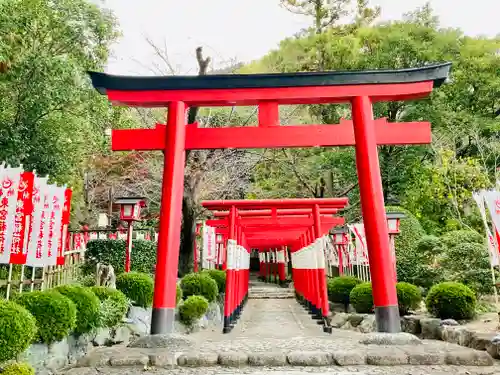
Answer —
(276, 223)
(359, 88)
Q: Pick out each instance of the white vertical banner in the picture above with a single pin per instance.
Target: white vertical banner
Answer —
(492, 199)
(55, 223)
(480, 200)
(9, 179)
(361, 250)
(36, 256)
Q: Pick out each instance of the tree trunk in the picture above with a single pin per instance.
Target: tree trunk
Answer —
(188, 234)
(188, 231)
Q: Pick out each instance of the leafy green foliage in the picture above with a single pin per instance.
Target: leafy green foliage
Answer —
(51, 119)
(450, 300)
(445, 188)
(55, 314)
(112, 252)
(219, 276)
(361, 298)
(138, 287)
(409, 261)
(434, 183)
(409, 297)
(339, 289)
(114, 305)
(469, 264)
(87, 307)
(200, 285)
(17, 330)
(459, 237)
(18, 369)
(178, 294)
(192, 309)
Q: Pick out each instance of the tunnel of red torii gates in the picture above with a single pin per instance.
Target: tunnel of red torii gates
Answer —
(275, 227)
(360, 89)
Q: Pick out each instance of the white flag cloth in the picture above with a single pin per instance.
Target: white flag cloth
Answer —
(56, 205)
(360, 255)
(492, 199)
(9, 180)
(36, 256)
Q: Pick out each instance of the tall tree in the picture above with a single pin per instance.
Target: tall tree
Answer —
(51, 119)
(325, 13)
(328, 13)
(463, 113)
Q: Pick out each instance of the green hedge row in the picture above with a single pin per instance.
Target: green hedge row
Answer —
(52, 315)
(143, 257)
(445, 300)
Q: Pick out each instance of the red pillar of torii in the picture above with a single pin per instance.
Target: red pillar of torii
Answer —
(359, 88)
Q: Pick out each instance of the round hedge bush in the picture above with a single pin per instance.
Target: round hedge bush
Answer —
(18, 369)
(55, 314)
(192, 309)
(339, 289)
(362, 298)
(220, 278)
(138, 287)
(17, 330)
(450, 300)
(114, 305)
(200, 285)
(87, 307)
(409, 297)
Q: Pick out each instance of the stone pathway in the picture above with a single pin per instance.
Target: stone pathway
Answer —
(273, 333)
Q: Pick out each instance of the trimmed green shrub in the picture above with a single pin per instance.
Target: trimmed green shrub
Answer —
(114, 305)
(220, 278)
(458, 237)
(113, 252)
(339, 289)
(408, 259)
(450, 300)
(199, 284)
(409, 297)
(87, 280)
(87, 307)
(18, 369)
(429, 246)
(362, 298)
(192, 309)
(55, 314)
(17, 330)
(138, 287)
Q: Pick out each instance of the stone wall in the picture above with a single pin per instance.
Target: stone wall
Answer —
(139, 319)
(427, 328)
(47, 359)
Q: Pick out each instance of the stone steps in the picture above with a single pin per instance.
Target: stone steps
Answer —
(396, 357)
(271, 294)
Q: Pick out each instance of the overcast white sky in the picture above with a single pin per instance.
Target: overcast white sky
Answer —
(246, 29)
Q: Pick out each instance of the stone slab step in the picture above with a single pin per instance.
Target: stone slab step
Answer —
(269, 297)
(376, 356)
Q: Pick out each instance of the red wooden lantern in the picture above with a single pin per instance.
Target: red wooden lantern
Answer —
(130, 211)
(130, 208)
(339, 236)
(393, 221)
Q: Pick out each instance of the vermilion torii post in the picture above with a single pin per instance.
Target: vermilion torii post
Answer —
(268, 91)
